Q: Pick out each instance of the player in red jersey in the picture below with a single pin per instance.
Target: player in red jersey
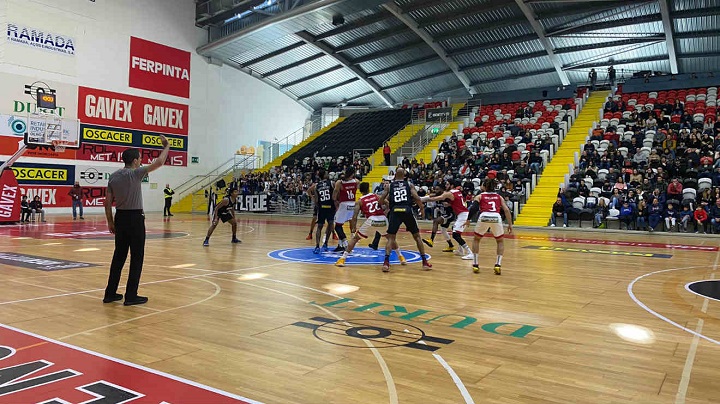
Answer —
(375, 220)
(457, 202)
(344, 197)
(490, 203)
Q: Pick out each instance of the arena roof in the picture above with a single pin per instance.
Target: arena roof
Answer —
(386, 53)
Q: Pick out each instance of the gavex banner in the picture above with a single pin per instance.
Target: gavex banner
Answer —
(159, 68)
(106, 108)
(9, 197)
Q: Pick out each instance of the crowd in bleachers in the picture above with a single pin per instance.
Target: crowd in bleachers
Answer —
(652, 161)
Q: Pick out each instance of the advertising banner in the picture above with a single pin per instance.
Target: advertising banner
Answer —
(40, 38)
(57, 196)
(38, 369)
(113, 153)
(45, 174)
(10, 144)
(106, 108)
(159, 68)
(130, 138)
(252, 203)
(438, 114)
(9, 197)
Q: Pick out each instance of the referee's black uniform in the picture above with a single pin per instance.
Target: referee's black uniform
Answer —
(128, 225)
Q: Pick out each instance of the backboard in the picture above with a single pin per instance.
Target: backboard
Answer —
(47, 130)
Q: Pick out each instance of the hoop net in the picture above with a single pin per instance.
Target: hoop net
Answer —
(58, 146)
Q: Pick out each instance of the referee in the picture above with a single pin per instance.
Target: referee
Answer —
(128, 226)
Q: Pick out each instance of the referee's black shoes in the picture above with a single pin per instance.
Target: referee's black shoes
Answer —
(136, 300)
(115, 298)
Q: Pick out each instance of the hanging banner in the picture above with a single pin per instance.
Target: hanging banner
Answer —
(9, 197)
(159, 68)
(438, 115)
(111, 153)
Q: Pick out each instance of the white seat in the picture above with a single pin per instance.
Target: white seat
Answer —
(578, 202)
(588, 182)
(650, 106)
(604, 144)
(690, 97)
(650, 133)
(646, 149)
(701, 97)
(632, 101)
(653, 94)
(595, 191)
(699, 117)
(531, 104)
(614, 122)
(689, 193)
(626, 114)
(648, 143)
(596, 143)
(511, 173)
(623, 151)
(628, 135)
(602, 173)
(711, 103)
(704, 183)
(545, 125)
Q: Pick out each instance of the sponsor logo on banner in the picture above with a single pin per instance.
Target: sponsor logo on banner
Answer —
(252, 203)
(107, 135)
(23, 107)
(112, 153)
(40, 39)
(9, 197)
(94, 176)
(52, 174)
(40, 263)
(38, 369)
(106, 108)
(159, 68)
(438, 114)
(10, 144)
(58, 196)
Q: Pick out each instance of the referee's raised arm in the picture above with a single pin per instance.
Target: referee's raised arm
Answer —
(128, 225)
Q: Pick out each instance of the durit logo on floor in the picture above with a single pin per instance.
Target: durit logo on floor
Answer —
(460, 321)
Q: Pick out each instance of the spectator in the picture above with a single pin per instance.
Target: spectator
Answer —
(600, 214)
(715, 216)
(641, 215)
(686, 216)
(25, 213)
(76, 196)
(675, 190)
(386, 153)
(36, 206)
(670, 217)
(626, 215)
(655, 212)
(559, 210)
(701, 219)
(592, 77)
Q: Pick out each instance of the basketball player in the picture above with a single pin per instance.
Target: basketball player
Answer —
(344, 197)
(443, 217)
(490, 203)
(375, 220)
(225, 211)
(399, 192)
(457, 203)
(313, 196)
(323, 191)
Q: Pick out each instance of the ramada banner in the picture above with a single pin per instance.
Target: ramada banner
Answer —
(159, 68)
(106, 108)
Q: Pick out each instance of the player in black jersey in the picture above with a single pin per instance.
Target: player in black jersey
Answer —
(323, 191)
(225, 211)
(443, 216)
(313, 197)
(399, 193)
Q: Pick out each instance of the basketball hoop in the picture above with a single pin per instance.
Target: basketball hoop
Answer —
(58, 146)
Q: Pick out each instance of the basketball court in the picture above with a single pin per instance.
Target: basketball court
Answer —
(601, 317)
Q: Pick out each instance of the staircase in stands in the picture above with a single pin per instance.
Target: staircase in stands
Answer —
(380, 170)
(536, 212)
(185, 205)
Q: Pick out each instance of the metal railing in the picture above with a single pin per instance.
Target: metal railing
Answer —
(237, 165)
(284, 145)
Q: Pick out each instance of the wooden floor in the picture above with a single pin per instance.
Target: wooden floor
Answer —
(234, 318)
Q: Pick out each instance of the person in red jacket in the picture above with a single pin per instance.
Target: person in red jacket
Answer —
(386, 153)
(701, 219)
(675, 190)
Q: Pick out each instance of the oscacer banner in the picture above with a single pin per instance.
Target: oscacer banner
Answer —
(106, 108)
(46, 174)
(159, 68)
(129, 138)
(105, 152)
